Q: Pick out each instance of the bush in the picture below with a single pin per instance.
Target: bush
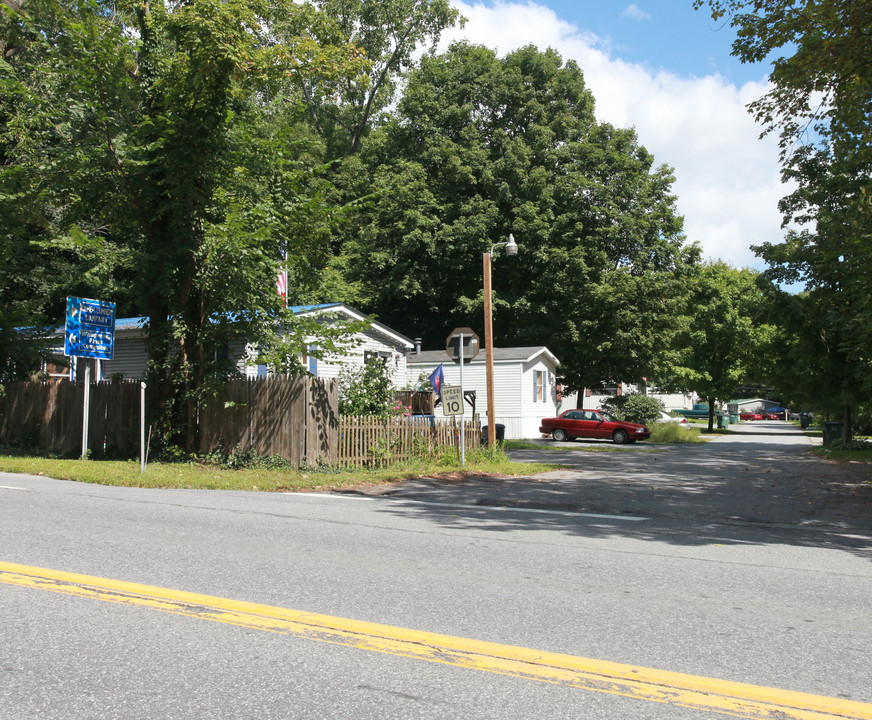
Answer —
(636, 408)
(673, 433)
(366, 391)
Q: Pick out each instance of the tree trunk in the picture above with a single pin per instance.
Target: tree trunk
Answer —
(711, 418)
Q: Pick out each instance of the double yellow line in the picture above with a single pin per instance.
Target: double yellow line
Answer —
(720, 696)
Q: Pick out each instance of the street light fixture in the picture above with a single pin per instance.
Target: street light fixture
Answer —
(511, 250)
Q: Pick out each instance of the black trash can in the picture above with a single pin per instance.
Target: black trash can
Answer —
(832, 432)
(499, 433)
(804, 420)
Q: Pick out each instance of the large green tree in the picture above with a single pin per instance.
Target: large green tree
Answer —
(820, 103)
(722, 334)
(162, 138)
(480, 147)
(388, 33)
(821, 74)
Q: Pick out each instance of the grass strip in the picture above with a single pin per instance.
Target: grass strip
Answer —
(198, 476)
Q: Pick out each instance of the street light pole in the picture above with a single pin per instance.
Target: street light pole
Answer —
(489, 349)
(511, 249)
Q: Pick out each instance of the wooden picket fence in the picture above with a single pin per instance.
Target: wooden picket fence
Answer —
(371, 442)
(295, 418)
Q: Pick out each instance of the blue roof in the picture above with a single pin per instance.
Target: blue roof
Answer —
(139, 322)
(307, 308)
(128, 323)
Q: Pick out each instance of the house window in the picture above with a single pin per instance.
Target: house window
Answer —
(370, 355)
(538, 386)
(313, 361)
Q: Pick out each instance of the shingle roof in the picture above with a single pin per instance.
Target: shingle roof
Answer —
(512, 354)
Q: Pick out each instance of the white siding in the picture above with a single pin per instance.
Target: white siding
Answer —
(369, 343)
(513, 392)
(129, 358)
(534, 409)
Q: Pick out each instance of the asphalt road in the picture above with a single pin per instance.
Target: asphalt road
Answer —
(743, 560)
(760, 474)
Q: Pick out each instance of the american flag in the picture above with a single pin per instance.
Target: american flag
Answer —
(282, 279)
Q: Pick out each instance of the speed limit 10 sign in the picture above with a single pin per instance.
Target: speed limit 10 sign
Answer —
(452, 400)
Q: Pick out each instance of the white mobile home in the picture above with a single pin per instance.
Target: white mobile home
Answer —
(525, 385)
(130, 356)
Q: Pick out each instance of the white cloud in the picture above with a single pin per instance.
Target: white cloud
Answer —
(727, 179)
(634, 12)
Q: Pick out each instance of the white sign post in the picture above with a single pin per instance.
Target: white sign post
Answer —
(462, 346)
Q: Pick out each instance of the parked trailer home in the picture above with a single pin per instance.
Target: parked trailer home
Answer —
(130, 359)
(525, 385)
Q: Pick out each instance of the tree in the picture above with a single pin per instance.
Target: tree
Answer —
(162, 137)
(808, 367)
(820, 102)
(635, 407)
(820, 85)
(388, 32)
(721, 335)
(480, 147)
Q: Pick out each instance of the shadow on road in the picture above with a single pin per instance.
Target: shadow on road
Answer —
(755, 485)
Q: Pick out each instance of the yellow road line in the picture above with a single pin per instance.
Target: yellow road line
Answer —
(721, 696)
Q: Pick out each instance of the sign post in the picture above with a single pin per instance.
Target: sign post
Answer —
(89, 333)
(462, 347)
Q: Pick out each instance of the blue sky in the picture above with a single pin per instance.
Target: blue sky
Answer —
(666, 70)
(662, 34)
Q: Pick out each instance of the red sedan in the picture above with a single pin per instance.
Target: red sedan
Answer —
(750, 416)
(592, 424)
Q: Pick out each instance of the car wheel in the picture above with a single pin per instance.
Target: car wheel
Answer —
(559, 435)
(620, 437)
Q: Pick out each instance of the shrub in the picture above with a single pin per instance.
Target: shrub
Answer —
(635, 408)
(366, 391)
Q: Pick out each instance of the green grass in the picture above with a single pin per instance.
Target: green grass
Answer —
(673, 434)
(859, 449)
(840, 455)
(192, 475)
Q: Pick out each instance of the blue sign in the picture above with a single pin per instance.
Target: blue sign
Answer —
(90, 330)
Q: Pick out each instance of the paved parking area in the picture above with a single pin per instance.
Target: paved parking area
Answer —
(760, 473)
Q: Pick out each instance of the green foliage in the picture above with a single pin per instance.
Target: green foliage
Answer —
(155, 150)
(366, 390)
(673, 434)
(482, 146)
(388, 33)
(820, 101)
(722, 336)
(820, 77)
(635, 407)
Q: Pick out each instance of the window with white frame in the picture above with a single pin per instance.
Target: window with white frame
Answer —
(371, 355)
(538, 386)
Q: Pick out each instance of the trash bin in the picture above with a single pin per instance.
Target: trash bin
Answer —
(832, 432)
(724, 422)
(734, 419)
(804, 420)
(499, 432)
